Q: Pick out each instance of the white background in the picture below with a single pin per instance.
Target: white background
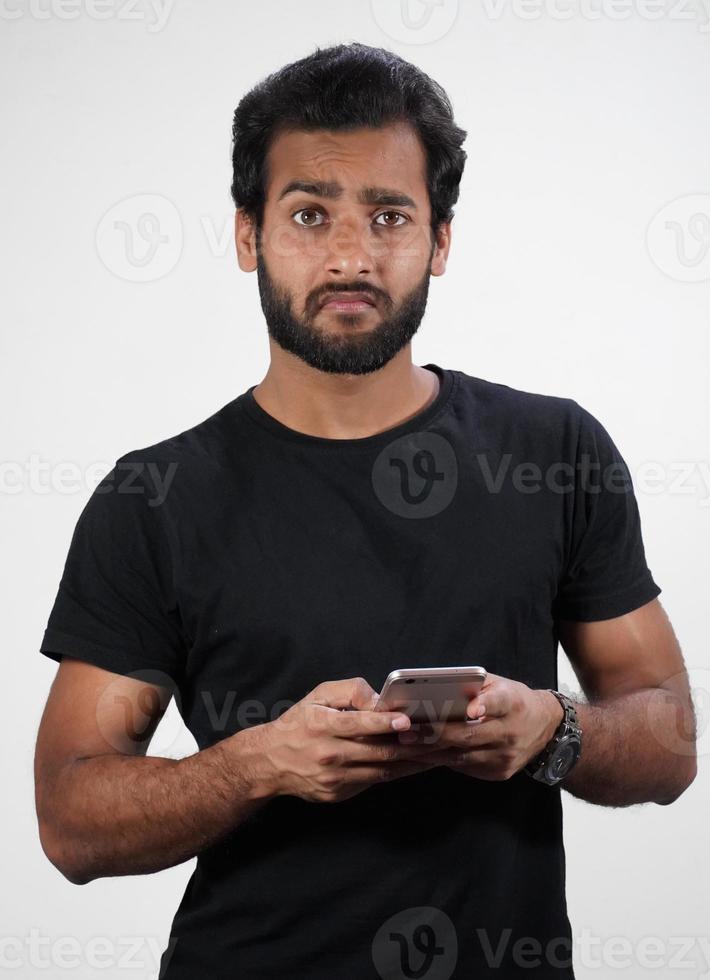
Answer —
(579, 267)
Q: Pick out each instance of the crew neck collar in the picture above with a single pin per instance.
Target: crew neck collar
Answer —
(256, 413)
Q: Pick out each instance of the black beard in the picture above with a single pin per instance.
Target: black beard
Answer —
(359, 353)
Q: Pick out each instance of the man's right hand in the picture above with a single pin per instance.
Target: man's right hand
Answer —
(322, 753)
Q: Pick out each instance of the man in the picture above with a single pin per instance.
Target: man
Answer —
(351, 514)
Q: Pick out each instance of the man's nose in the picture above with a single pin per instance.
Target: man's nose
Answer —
(350, 248)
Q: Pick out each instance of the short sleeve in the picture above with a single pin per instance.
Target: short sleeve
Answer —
(115, 606)
(606, 573)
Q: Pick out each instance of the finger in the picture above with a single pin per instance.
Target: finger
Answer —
(451, 757)
(353, 693)
(444, 735)
(350, 724)
(394, 738)
(476, 707)
(495, 701)
(378, 749)
(441, 727)
(430, 730)
(473, 759)
(367, 773)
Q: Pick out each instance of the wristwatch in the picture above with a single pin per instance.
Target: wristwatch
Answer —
(562, 751)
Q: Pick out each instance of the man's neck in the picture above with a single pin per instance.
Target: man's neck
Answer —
(340, 406)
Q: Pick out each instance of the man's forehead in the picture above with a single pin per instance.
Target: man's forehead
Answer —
(388, 164)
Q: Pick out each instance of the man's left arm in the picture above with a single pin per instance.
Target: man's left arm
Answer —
(639, 730)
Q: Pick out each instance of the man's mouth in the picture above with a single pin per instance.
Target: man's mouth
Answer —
(348, 302)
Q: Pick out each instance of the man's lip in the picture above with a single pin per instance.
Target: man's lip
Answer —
(348, 298)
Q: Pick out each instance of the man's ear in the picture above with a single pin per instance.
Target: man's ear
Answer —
(245, 241)
(441, 251)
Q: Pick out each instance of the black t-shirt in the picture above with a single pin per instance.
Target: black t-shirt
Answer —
(248, 562)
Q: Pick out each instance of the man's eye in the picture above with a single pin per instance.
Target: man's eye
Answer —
(308, 224)
(396, 214)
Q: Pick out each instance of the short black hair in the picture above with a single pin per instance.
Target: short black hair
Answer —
(345, 87)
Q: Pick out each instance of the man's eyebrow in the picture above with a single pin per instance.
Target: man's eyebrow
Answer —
(332, 190)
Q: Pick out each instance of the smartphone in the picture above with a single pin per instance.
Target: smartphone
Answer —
(431, 693)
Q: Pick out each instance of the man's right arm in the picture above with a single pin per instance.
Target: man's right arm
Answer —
(103, 807)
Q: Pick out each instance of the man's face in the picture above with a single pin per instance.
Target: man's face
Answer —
(346, 213)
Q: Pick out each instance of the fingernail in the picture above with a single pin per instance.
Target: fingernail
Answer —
(402, 721)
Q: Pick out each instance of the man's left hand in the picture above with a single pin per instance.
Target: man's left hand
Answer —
(508, 724)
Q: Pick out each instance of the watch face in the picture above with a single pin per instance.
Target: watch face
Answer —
(563, 758)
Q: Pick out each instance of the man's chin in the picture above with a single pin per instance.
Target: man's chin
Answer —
(340, 354)
(341, 324)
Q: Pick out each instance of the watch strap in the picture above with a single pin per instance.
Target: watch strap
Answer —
(568, 725)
